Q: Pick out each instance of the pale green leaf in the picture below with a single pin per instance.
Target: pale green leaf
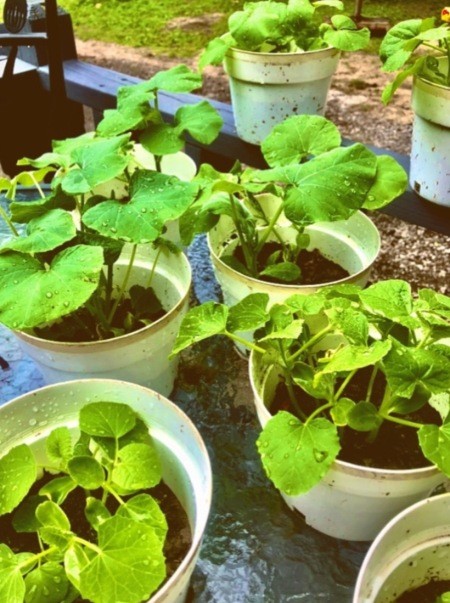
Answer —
(138, 467)
(200, 120)
(298, 137)
(297, 456)
(176, 79)
(32, 294)
(58, 489)
(341, 410)
(248, 314)
(107, 419)
(50, 515)
(144, 508)
(391, 181)
(12, 585)
(435, 444)
(58, 446)
(17, 475)
(352, 357)
(86, 472)
(96, 512)
(200, 323)
(215, 51)
(346, 36)
(47, 583)
(391, 299)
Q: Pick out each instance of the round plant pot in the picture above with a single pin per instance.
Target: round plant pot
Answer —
(430, 151)
(185, 462)
(352, 502)
(268, 87)
(353, 244)
(140, 357)
(410, 550)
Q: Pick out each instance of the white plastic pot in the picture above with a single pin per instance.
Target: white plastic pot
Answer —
(354, 244)
(268, 87)
(430, 151)
(184, 458)
(140, 357)
(410, 550)
(352, 502)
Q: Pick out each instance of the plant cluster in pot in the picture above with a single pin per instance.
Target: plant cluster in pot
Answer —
(352, 389)
(296, 226)
(420, 48)
(280, 58)
(89, 280)
(408, 560)
(105, 495)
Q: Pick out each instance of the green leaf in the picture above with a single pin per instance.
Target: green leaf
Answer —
(107, 419)
(259, 23)
(391, 299)
(353, 357)
(332, 186)
(96, 163)
(12, 585)
(350, 322)
(96, 512)
(297, 137)
(287, 272)
(296, 456)
(364, 417)
(44, 233)
(441, 403)
(86, 472)
(200, 323)
(47, 583)
(58, 446)
(392, 49)
(162, 139)
(24, 211)
(176, 79)
(406, 368)
(50, 515)
(32, 294)
(307, 305)
(17, 475)
(290, 331)
(144, 508)
(435, 444)
(346, 36)
(58, 489)
(138, 467)
(391, 181)
(200, 120)
(24, 518)
(248, 314)
(403, 75)
(129, 566)
(341, 410)
(215, 51)
(155, 199)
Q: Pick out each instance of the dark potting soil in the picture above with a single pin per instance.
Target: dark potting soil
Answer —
(427, 593)
(315, 268)
(395, 447)
(176, 546)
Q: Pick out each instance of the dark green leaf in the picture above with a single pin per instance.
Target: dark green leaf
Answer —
(86, 472)
(138, 467)
(58, 489)
(287, 272)
(364, 417)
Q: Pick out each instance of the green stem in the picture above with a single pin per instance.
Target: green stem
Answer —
(400, 421)
(37, 557)
(158, 160)
(152, 271)
(310, 343)
(247, 254)
(371, 383)
(433, 47)
(290, 385)
(36, 184)
(89, 545)
(344, 384)
(109, 284)
(11, 226)
(318, 411)
(270, 228)
(244, 342)
(111, 491)
(124, 285)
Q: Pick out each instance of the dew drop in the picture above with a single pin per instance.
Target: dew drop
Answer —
(32, 422)
(49, 294)
(143, 210)
(113, 229)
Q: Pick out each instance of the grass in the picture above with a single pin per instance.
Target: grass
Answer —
(141, 23)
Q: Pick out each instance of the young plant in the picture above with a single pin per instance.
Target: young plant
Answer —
(402, 50)
(118, 555)
(62, 264)
(311, 179)
(320, 345)
(295, 26)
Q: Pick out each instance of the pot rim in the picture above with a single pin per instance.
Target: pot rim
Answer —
(343, 466)
(201, 519)
(121, 340)
(283, 286)
(251, 53)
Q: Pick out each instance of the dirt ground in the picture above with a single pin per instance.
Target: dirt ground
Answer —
(408, 252)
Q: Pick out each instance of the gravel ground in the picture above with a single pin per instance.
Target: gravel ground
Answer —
(408, 252)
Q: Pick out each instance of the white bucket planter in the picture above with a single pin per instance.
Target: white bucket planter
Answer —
(353, 244)
(412, 548)
(140, 357)
(430, 152)
(352, 502)
(185, 462)
(268, 87)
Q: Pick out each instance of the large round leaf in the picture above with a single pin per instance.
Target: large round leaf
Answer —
(155, 199)
(32, 293)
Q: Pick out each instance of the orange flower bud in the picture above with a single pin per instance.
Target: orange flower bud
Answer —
(445, 14)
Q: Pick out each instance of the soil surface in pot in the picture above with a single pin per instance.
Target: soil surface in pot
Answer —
(315, 268)
(178, 539)
(395, 446)
(427, 593)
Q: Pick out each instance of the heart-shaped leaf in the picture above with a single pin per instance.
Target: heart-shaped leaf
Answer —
(17, 475)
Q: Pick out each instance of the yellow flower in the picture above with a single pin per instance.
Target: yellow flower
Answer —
(445, 14)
